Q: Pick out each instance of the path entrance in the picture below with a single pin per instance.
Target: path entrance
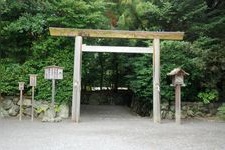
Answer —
(105, 112)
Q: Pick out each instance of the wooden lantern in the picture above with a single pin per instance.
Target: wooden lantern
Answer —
(177, 75)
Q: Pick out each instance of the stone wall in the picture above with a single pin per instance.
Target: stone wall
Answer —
(10, 107)
(140, 107)
(189, 109)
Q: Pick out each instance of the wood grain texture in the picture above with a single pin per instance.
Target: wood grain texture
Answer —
(178, 103)
(156, 81)
(77, 79)
(71, 32)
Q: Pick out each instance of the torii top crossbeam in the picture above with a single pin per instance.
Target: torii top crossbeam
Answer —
(71, 32)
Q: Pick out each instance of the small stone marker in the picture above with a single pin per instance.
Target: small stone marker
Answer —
(177, 75)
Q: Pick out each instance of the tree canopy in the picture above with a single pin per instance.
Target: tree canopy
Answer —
(26, 46)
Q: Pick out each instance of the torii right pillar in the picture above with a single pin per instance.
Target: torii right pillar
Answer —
(156, 81)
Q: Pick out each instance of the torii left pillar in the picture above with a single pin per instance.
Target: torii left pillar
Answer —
(156, 81)
(77, 79)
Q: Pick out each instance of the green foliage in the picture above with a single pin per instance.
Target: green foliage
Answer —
(28, 23)
(10, 78)
(25, 28)
(221, 112)
(41, 109)
(26, 46)
(140, 81)
(57, 108)
(209, 96)
(173, 54)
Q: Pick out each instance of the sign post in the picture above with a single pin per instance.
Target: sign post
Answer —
(33, 83)
(53, 93)
(53, 73)
(21, 88)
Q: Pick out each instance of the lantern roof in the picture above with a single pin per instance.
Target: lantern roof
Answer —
(177, 71)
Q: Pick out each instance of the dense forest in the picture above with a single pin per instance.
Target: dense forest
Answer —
(26, 46)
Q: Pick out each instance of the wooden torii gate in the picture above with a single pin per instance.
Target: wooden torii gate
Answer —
(79, 33)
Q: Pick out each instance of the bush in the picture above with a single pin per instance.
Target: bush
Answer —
(221, 112)
(209, 96)
(173, 54)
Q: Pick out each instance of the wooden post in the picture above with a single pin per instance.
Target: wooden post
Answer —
(21, 103)
(156, 81)
(77, 79)
(53, 95)
(178, 103)
(32, 104)
(33, 83)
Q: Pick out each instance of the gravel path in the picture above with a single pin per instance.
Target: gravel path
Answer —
(111, 128)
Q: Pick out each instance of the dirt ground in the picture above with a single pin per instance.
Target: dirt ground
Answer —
(111, 128)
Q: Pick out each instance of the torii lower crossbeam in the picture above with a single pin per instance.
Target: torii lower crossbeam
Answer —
(116, 49)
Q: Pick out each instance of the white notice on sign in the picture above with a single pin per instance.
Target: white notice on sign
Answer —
(60, 74)
(33, 80)
(21, 85)
(53, 72)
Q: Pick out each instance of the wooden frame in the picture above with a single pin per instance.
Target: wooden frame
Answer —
(79, 33)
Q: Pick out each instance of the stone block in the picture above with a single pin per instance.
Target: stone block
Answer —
(7, 104)
(26, 102)
(27, 111)
(3, 113)
(14, 110)
(15, 100)
(184, 114)
(63, 111)
(170, 115)
(49, 115)
(199, 114)
(190, 113)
